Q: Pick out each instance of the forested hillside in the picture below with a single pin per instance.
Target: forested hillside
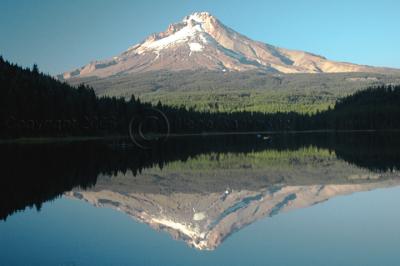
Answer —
(239, 91)
(373, 108)
(37, 105)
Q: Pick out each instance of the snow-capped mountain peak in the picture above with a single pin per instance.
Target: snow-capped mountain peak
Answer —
(201, 41)
(192, 30)
(200, 17)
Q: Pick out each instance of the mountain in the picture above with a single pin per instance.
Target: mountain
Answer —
(201, 41)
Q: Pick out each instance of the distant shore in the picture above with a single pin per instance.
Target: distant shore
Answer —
(44, 140)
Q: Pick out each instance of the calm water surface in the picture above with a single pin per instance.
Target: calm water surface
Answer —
(306, 199)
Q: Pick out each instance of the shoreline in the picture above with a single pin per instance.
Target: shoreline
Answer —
(43, 140)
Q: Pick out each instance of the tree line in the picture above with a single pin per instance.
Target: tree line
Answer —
(34, 104)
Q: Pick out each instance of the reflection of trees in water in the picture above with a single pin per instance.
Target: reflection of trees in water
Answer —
(376, 152)
(33, 174)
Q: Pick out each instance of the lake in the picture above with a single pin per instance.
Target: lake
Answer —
(253, 199)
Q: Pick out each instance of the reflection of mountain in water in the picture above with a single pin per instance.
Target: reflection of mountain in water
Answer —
(206, 198)
(200, 189)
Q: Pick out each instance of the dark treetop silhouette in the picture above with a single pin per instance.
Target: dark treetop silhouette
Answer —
(37, 105)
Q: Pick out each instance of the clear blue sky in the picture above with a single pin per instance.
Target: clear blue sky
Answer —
(60, 35)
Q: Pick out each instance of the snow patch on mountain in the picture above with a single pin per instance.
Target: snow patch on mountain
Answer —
(195, 47)
(189, 31)
(204, 39)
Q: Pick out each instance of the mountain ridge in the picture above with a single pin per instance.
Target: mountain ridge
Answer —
(201, 41)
